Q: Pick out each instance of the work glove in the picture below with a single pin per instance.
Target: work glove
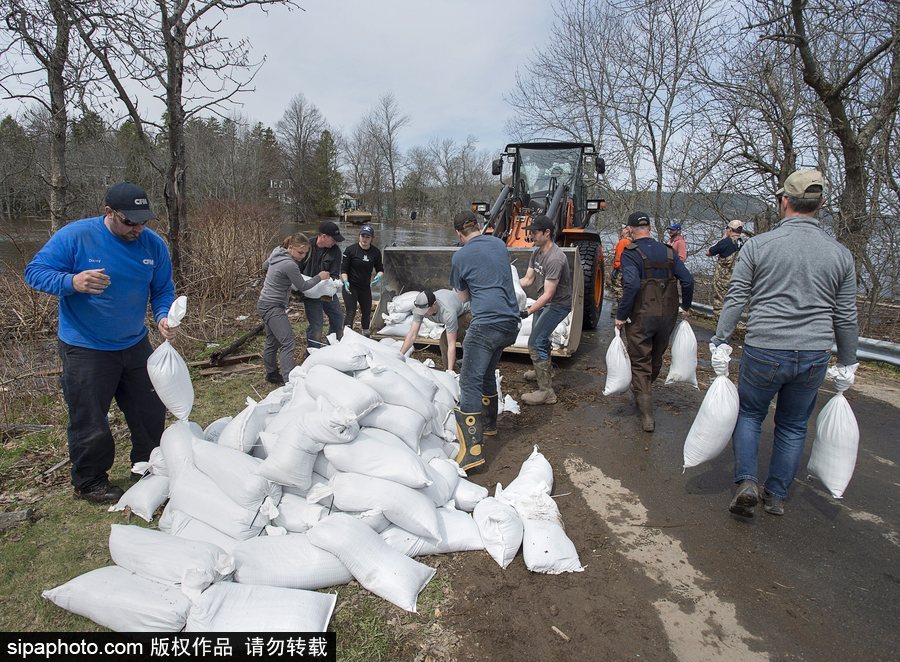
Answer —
(843, 376)
(524, 314)
(377, 279)
(347, 286)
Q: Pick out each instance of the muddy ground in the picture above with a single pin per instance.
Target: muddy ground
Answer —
(669, 574)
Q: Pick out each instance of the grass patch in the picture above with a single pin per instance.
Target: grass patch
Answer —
(71, 537)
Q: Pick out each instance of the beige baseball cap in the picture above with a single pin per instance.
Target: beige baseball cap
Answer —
(798, 183)
(735, 225)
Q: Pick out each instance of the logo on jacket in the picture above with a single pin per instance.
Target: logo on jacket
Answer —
(148, 261)
(94, 260)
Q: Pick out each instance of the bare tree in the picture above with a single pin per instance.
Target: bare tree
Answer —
(176, 50)
(384, 123)
(40, 35)
(298, 133)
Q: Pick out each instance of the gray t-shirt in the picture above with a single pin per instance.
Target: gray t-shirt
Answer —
(553, 265)
(448, 312)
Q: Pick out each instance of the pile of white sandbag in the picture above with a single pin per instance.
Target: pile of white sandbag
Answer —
(399, 318)
(343, 473)
(559, 337)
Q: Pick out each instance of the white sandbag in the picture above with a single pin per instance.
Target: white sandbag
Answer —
(329, 424)
(451, 448)
(684, 356)
(468, 495)
(212, 431)
(289, 561)
(404, 506)
(290, 460)
(177, 448)
(197, 495)
(501, 529)
(296, 514)
(397, 330)
(235, 473)
(122, 601)
(378, 568)
(326, 288)
(423, 385)
(318, 480)
(521, 297)
(242, 432)
(323, 467)
(403, 303)
(156, 464)
(447, 386)
(394, 390)
(394, 318)
(712, 427)
(373, 453)
(182, 525)
(833, 456)
(230, 607)
(459, 533)
(376, 348)
(535, 470)
(373, 519)
(144, 497)
(165, 558)
(432, 446)
(405, 423)
(341, 390)
(527, 325)
(521, 340)
(618, 366)
(346, 357)
(169, 373)
(444, 476)
(301, 404)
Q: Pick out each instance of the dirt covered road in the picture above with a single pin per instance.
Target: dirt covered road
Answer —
(669, 573)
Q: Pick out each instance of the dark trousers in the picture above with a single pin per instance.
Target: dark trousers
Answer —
(647, 338)
(363, 297)
(90, 379)
(316, 310)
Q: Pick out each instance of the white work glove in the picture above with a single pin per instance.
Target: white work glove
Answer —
(721, 357)
(843, 376)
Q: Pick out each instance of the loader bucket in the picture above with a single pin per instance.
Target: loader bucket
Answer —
(408, 269)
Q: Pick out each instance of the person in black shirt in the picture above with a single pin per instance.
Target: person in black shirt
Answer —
(727, 252)
(360, 259)
(324, 255)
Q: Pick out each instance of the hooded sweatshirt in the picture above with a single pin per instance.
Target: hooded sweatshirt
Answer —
(282, 271)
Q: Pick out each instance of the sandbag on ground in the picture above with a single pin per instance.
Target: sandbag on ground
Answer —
(123, 601)
(164, 558)
(296, 514)
(144, 497)
(385, 572)
(468, 495)
(341, 390)
(229, 607)
(179, 524)
(403, 422)
(459, 533)
(235, 473)
(501, 529)
(345, 357)
(373, 453)
(289, 561)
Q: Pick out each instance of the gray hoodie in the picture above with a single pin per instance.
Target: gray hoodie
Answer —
(282, 271)
(800, 285)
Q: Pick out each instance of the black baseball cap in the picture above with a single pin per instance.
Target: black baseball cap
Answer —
(331, 229)
(130, 201)
(424, 300)
(465, 218)
(367, 230)
(539, 223)
(639, 219)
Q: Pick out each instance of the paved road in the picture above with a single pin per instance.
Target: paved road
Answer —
(822, 582)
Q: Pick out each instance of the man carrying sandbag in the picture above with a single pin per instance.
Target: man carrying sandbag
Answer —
(480, 274)
(104, 270)
(650, 270)
(440, 307)
(787, 347)
(324, 255)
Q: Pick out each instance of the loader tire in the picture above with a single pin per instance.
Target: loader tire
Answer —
(591, 257)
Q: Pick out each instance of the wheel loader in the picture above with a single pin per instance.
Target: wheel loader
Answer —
(549, 178)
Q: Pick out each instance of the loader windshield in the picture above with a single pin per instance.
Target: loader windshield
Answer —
(538, 166)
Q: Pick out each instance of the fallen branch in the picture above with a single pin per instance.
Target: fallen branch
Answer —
(9, 520)
(216, 357)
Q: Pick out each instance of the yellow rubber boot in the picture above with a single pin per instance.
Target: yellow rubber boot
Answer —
(470, 434)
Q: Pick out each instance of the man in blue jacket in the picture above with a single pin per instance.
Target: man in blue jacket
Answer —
(650, 303)
(104, 270)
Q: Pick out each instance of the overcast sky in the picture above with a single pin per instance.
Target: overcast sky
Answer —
(448, 62)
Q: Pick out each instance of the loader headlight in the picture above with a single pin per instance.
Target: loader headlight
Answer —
(481, 208)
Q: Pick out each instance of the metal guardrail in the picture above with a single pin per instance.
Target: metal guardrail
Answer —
(869, 348)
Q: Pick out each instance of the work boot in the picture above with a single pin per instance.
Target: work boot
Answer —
(746, 496)
(275, 378)
(772, 504)
(367, 333)
(545, 395)
(102, 492)
(470, 434)
(531, 375)
(490, 406)
(645, 409)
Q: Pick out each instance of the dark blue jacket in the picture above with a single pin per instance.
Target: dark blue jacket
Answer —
(633, 272)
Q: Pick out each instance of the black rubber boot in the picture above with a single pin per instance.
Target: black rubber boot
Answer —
(470, 434)
(645, 408)
(490, 406)
(275, 378)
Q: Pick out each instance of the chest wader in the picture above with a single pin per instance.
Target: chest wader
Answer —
(652, 322)
(721, 279)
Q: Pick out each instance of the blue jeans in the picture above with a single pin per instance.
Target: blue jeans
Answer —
(482, 347)
(795, 377)
(545, 321)
(316, 309)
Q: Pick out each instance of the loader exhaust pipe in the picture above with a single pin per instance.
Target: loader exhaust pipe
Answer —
(555, 202)
(504, 194)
